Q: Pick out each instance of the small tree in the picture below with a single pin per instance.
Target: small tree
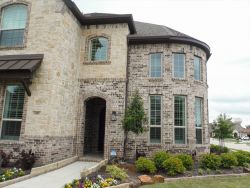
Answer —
(134, 119)
(223, 128)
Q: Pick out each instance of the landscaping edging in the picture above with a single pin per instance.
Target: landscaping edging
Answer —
(40, 170)
(206, 176)
(95, 168)
(124, 185)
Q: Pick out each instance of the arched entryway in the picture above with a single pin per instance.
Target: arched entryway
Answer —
(94, 132)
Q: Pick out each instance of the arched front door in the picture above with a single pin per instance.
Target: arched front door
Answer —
(94, 132)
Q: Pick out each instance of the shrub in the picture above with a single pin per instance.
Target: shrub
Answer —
(173, 166)
(228, 160)
(26, 160)
(145, 165)
(159, 158)
(200, 171)
(116, 172)
(242, 157)
(5, 159)
(210, 161)
(187, 161)
(218, 149)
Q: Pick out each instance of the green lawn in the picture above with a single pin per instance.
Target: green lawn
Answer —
(222, 182)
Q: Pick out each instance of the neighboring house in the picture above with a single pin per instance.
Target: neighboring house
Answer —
(238, 130)
(66, 78)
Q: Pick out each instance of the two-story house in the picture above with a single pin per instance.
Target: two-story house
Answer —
(66, 78)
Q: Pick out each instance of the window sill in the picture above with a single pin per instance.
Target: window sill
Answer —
(11, 142)
(179, 79)
(180, 146)
(97, 62)
(12, 48)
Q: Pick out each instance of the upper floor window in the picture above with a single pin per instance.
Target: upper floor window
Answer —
(13, 112)
(98, 49)
(155, 65)
(179, 65)
(197, 68)
(13, 23)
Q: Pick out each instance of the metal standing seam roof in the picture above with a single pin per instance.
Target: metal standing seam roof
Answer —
(20, 63)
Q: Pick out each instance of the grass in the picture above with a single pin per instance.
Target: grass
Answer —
(221, 182)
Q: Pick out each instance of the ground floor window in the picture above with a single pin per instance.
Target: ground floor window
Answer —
(180, 119)
(198, 119)
(155, 119)
(12, 112)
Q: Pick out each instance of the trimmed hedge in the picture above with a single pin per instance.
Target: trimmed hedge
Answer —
(228, 160)
(173, 166)
(187, 161)
(210, 161)
(145, 165)
(218, 149)
(243, 157)
(159, 158)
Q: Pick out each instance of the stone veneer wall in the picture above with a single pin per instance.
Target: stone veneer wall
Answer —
(167, 87)
(113, 91)
(50, 113)
(106, 80)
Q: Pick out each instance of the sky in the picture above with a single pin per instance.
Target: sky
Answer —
(223, 24)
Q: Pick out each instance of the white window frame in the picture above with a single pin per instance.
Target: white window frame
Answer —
(154, 126)
(185, 120)
(200, 71)
(3, 109)
(202, 116)
(150, 75)
(173, 65)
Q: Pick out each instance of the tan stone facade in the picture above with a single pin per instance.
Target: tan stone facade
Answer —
(54, 116)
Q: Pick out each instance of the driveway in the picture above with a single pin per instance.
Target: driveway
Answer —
(55, 179)
(232, 145)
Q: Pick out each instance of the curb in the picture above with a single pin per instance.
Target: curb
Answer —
(95, 168)
(124, 185)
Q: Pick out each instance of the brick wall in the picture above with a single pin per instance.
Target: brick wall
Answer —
(167, 87)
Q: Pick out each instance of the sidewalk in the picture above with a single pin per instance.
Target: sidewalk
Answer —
(231, 145)
(57, 178)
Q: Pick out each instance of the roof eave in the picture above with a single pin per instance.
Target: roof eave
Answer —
(169, 39)
(84, 20)
(125, 18)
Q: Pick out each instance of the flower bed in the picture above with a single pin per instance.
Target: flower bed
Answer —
(93, 182)
(9, 174)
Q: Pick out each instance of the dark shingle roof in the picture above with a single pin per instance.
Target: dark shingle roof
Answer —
(147, 33)
(139, 32)
(148, 29)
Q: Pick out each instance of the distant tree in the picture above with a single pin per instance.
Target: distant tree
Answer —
(248, 126)
(222, 128)
(134, 119)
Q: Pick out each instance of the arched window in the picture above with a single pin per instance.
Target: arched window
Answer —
(13, 23)
(98, 49)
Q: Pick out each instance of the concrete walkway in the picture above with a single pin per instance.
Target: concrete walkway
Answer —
(231, 145)
(55, 179)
